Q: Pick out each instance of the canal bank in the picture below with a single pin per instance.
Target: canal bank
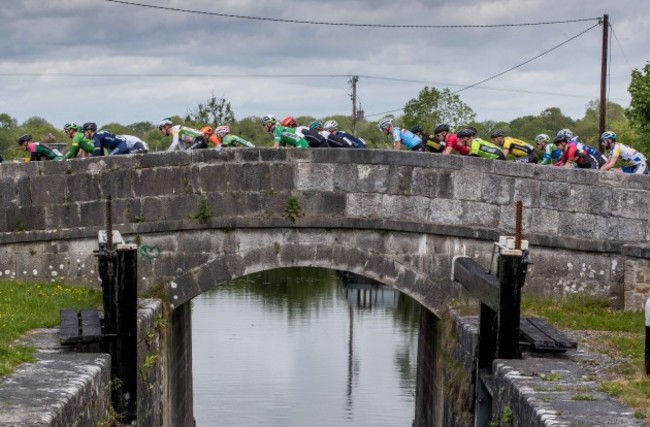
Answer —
(64, 388)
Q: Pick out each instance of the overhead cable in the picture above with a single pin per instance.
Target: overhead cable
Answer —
(345, 24)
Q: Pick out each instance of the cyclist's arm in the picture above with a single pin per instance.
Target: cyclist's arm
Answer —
(397, 139)
(243, 142)
(175, 142)
(610, 162)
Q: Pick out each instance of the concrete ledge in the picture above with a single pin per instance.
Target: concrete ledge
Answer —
(637, 250)
(545, 390)
(61, 388)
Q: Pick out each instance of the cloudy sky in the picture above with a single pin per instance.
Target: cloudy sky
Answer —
(98, 60)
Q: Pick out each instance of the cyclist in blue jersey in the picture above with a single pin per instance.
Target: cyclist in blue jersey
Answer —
(104, 141)
(400, 136)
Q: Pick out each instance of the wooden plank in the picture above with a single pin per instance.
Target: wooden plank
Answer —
(474, 278)
(538, 339)
(561, 340)
(90, 326)
(69, 331)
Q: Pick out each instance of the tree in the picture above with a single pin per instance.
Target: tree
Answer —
(639, 111)
(433, 107)
(215, 112)
(588, 127)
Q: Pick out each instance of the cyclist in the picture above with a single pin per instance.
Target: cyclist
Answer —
(522, 151)
(450, 140)
(183, 137)
(104, 140)
(282, 135)
(38, 151)
(431, 143)
(573, 155)
(210, 136)
(552, 154)
(333, 127)
(228, 140)
(79, 141)
(639, 163)
(399, 136)
(134, 144)
(314, 135)
(478, 147)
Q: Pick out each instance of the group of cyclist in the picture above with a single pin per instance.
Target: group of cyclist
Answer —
(565, 149)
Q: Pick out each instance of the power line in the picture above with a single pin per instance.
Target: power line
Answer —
(503, 72)
(343, 24)
(620, 47)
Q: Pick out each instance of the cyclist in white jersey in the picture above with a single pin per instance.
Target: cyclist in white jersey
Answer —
(639, 163)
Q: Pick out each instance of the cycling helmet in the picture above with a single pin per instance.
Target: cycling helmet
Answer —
(315, 125)
(608, 135)
(269, 119)
(384, 123)
(330, 124)
(467, 132)
(289, 121)
(222, 130)
(497, 133)
(560, 138)
(89, 126)
(207, 130)
(164, 122)
(542, 138)
(441, 128)
(417, 129)
(70, 126)
(566, 132)
(24, 138)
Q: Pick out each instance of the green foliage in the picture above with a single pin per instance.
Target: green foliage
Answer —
(433, 107)
(215, 112)
(639, 111)
(25, 306)
(203, 214)
(548, 121)
(293, 209)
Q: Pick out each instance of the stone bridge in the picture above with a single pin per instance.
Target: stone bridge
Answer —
(206, 217)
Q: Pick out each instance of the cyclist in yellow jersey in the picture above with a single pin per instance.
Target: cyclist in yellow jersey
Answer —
(522, 151)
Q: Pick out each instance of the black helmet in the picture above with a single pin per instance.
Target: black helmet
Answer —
(441, 128)
(467, 132)
(89, 126)
(417, 129)
(497, 133)
(24, 138)
(560, 138)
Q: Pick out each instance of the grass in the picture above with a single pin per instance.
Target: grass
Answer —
(617, 334)
(25, 306)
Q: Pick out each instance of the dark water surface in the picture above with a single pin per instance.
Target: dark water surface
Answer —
(295, 347)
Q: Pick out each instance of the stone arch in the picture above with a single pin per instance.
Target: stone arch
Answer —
(401, 260)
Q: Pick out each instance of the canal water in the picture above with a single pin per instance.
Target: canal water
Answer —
(299, 347)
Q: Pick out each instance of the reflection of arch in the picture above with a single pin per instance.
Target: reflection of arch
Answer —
(401, 260)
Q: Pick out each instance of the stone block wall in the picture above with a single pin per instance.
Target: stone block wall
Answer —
(637, 276)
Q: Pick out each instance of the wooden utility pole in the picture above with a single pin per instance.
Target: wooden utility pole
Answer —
(353, 82)
(603, 80)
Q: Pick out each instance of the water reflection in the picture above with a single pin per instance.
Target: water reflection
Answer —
(298, 347)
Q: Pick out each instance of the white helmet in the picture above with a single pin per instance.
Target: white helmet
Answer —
(384, 123)
(222, 130)
(164, 122)
(566, 132)
(269, 118)
(542, 138)
(330, 124)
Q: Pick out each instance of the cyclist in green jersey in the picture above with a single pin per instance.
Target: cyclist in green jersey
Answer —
(282, 136)
(478, 147)
(79, 141)
(38, 151)
(552, 154)
(183, 137)
(228, 140)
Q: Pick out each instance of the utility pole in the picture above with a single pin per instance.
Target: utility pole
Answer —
(603, 80)
(353, 81)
